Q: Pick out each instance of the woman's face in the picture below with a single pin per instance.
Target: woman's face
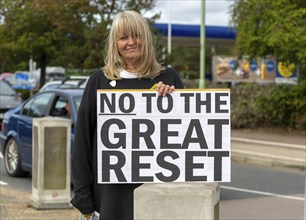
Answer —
(129, 47)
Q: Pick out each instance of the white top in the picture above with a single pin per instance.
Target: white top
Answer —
(127, 75)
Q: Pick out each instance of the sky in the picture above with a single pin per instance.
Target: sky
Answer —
(189, 11)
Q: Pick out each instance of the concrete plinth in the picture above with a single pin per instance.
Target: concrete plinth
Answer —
(51, 163)
(177, 201)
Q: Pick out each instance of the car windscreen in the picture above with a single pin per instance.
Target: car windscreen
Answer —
(5, 89)
(37, 106)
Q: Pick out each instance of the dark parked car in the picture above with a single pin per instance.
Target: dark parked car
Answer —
(16, 134)
(8, 99)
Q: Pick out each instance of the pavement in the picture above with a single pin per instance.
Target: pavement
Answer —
(272, 148)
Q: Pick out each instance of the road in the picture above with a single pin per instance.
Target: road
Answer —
(254, 192)
(23, 184)
(262, 193)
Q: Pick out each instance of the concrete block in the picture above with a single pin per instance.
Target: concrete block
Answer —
(51, 163)
(177, 201)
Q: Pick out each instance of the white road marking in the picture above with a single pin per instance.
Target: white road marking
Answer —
(262, 193)
(1, 155)
(3, 183)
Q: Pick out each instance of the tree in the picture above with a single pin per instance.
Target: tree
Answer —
(58, 32)
(33, 29)
(275, 27)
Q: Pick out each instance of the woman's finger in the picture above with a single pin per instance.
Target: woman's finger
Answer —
(164, 89)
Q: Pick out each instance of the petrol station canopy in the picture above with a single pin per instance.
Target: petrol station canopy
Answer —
(189, 35)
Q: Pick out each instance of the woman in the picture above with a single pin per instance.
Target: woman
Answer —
(130, 63)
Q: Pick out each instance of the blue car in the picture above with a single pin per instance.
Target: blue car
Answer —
(16, 133)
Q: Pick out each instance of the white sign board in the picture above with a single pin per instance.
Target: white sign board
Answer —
(182, 137)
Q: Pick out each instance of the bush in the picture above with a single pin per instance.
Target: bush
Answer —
(278, 106)
(285, 107)
(244, 109)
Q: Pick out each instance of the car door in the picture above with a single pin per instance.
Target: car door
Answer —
(35, 108)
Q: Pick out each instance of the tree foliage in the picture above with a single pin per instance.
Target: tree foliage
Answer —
(275, 27)
(68, 33)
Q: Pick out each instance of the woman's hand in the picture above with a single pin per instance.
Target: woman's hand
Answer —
(163, 89)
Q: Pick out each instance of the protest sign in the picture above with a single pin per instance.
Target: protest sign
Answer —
(143, 137)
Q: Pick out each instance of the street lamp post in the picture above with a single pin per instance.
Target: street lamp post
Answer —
(169, 29)
(202, 47)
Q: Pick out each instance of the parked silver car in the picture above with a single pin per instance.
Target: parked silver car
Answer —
(70, 82)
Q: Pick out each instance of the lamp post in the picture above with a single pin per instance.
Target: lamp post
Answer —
(202, 46)
(169, 29)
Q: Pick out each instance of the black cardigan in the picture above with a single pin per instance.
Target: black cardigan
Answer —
(112, 201)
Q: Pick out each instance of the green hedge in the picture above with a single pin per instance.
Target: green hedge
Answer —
(285, 107)
(281, 106)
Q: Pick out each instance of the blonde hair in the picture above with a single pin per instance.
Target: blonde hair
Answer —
(133, 23)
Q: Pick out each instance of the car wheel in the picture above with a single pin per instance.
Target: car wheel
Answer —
(12, 160)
